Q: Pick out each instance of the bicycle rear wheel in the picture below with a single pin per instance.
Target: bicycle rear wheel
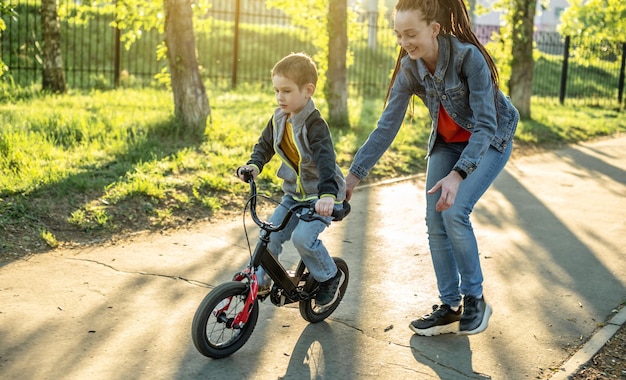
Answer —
(309, 309)
(211, 331)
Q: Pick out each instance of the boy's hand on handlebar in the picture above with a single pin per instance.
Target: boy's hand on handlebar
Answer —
(250, 169)
(324, 206)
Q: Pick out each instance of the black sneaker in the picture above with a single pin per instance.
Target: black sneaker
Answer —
(329, 290)
(476, 313)
(443, 320)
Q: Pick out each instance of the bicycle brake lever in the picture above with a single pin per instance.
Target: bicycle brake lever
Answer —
(309, 215)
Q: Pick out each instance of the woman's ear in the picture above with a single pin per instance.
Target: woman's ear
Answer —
(436, 28)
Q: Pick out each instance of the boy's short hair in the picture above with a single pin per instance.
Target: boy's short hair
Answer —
(298, 67)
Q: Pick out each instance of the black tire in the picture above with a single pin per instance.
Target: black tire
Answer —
(211, 336)
(313, 313)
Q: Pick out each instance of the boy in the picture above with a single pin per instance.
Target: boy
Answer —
(301, 138)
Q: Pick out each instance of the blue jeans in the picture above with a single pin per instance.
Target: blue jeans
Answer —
(453, 246)
(304, 236)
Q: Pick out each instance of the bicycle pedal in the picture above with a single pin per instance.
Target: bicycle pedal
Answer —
(309, 295)
(278, 297)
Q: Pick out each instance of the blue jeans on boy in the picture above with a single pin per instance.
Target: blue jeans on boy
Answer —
(451, 238)
(304, 236)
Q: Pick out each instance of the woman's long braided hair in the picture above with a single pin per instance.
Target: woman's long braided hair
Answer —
(453, 17)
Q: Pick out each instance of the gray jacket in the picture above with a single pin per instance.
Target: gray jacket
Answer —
(462, 83)
(317, 173)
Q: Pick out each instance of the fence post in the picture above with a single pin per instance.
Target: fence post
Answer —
(236, 43)
(118, 58)
(620, 91)
(117, 53)
(564, 70)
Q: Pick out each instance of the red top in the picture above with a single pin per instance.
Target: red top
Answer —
(449, 129)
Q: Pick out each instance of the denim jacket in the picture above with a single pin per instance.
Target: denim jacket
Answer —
(462, 83)
(317, 173)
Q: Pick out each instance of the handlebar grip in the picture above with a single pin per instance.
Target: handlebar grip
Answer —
(343, 212)
(338, 214)
(246, 173)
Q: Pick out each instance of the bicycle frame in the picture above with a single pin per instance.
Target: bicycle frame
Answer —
(276, 271)
(262, 256)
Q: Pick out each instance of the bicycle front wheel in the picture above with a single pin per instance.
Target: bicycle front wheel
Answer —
(313, 313)
(212, 330)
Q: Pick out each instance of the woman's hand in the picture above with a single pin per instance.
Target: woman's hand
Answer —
(449, 186)
(351, 182)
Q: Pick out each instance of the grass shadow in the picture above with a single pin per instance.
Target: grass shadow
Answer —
(26, 217)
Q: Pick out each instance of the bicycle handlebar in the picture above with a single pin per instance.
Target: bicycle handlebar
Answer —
(338, 214)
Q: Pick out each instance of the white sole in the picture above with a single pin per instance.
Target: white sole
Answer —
(450, 328)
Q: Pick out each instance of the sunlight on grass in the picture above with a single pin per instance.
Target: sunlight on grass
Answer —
(553, 124)
(91, 217)
(116, 161)
(49, 238)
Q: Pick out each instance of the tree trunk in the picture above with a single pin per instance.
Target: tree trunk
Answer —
(52, 61)
(522, 63)
(191, 104)
(336, 90)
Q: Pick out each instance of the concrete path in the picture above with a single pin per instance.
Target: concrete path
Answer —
(552, 232)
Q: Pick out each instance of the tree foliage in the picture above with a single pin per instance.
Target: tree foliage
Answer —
(5, 9)
(590, 19)
(132, 16)
(587, 21)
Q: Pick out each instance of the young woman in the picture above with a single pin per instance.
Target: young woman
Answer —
(442, 62)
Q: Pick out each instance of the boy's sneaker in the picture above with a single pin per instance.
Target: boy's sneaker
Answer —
(329, 290)
(443, 320)
(476, 313)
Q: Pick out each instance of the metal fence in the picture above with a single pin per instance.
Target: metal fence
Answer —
(238, 41)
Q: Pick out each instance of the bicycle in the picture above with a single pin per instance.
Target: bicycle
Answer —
(226, 317)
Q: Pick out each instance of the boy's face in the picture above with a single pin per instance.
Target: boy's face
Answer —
(289, 96)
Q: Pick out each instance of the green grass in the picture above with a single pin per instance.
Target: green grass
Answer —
(88, 166)
(554, 125)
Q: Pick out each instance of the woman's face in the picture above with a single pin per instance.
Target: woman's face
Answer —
(416, 37)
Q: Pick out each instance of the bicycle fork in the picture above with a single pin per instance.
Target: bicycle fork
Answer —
(242, 317)
(271, 265)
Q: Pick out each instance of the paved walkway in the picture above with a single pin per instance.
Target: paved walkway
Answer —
(552, 234)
